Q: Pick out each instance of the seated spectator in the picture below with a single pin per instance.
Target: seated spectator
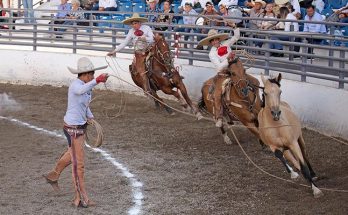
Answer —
(294, 3)
(152, 8)
(208, 11)
(285, 13)
(63, 9)
(256, 12)
(225, 10)
(228, 3)
(195, 5)
(343, 14)
(107, 5)
(268, 14)
(188, 20)
(312, 15)
(76, 13)
(165, 17)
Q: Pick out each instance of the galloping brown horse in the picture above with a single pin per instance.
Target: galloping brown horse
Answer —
(161, 74)
(280, 129)
(241, 99)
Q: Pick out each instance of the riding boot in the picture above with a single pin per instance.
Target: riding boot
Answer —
(77, 156)
(64, 161)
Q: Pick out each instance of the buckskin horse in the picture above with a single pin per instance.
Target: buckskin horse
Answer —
(161, 73)
(280, 129)
(240, 100)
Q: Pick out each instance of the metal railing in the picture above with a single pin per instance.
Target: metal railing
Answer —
(105, 35)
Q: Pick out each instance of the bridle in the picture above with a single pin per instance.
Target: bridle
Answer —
(243, 92)
(165, 58)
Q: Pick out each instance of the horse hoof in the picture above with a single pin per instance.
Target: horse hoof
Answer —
(295, 176)
(199, 116)
(317, 192)
(227, 140)
(218, 123)
(315, 178)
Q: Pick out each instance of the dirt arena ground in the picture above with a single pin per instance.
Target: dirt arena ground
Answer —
(185, 166)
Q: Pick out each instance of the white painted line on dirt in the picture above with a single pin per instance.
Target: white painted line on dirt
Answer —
(135, 183)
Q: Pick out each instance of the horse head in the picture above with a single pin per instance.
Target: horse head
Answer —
(162, 53)
(236, 69)
(271, 94)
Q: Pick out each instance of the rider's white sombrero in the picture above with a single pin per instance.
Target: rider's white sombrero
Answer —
(280, 2)
(133, 18)
(212, 34)
(85, 65)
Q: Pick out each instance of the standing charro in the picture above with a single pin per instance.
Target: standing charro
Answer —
(141, 36)
(218, 55)
(77, 117)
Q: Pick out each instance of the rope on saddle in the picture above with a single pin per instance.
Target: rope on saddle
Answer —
(98, 141)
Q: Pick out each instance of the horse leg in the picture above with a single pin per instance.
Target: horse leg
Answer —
(279, 155)
(158, 100)
(227, 140)
(184, 93)
(296, 151)
(302, 146)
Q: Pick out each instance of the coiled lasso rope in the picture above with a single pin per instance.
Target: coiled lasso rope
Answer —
(100, 134)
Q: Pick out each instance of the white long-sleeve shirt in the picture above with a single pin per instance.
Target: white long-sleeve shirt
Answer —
(148, 34)
(79, 97)
(221, 61)
(312, 27)
(107, 3)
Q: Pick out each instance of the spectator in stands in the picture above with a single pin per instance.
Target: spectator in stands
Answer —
(343, 14)
(76, 13)
(188, 20)
(225, 11)
(228, 3)
(285, 13)
(63, 9)
(165, 17)
(195, 5)
(141, 36)
(220, 52)
(200, 5)
(295, 5)
(152, 8)
(208, 11)
(312, 15)
(28, 13)
(256, 12)
(107, 5)
(268, 14)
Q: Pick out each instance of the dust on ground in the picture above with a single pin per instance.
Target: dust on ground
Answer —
(184, 164)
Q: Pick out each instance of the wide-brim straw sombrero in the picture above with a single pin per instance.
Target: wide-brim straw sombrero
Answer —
(136, 17)
(280, 2)
(213, 34)
(85, 65)
(261, 2)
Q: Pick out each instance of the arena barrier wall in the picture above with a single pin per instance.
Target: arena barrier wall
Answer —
(319, 107)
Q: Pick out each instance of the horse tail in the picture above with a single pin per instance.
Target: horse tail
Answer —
(201, 103)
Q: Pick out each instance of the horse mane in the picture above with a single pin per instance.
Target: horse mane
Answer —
(227, 70)
(274, 81)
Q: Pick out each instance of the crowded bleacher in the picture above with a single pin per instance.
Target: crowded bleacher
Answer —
(167, 12)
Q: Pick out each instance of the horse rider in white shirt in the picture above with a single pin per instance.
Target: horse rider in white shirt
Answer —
(218, 55)
(139, 33)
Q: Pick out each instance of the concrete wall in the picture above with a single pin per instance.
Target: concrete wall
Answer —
(319, 107)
